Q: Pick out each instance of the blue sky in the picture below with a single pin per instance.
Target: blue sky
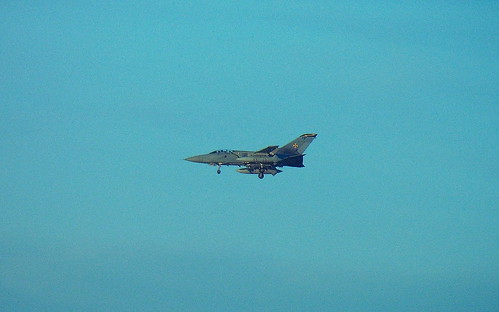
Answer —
(396, 209)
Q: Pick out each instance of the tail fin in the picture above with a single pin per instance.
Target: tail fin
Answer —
(297, 146)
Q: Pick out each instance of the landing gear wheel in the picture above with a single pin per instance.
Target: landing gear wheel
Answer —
(261, 175)
(219, 171)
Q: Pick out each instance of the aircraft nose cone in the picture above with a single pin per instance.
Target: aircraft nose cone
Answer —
(193, 159)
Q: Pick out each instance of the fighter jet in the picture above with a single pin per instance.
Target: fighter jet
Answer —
(261, 162)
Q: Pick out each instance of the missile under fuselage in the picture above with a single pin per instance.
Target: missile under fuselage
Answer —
(257, 171)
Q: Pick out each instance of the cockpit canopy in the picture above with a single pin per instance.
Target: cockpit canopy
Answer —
(221, 151)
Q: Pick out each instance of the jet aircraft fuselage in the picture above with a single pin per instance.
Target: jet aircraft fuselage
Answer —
(261, 162)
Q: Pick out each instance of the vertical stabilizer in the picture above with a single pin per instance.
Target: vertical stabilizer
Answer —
(297, 146)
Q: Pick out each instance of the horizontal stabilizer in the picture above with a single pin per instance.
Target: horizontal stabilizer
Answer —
(293, 161)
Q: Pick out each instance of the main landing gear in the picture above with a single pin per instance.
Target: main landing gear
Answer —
(261, 175)
(218, 170)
